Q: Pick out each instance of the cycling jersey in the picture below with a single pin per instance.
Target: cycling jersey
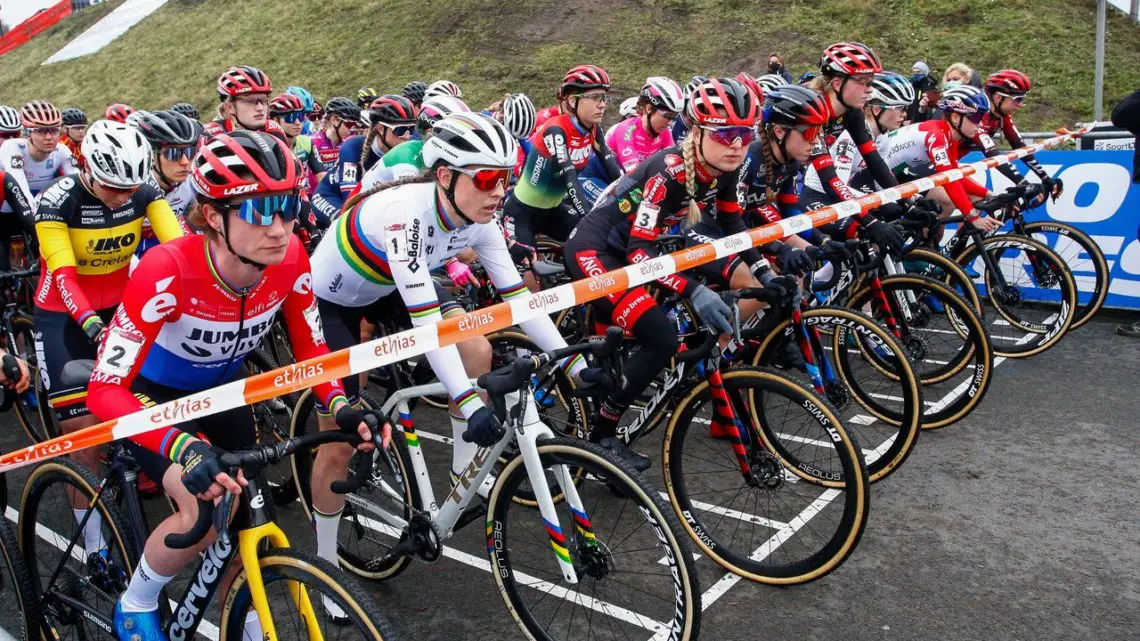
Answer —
(561, 148)
(17, 220)
(34, 175)
(755, 182)
(224, 126)
(546, 114)
(87, 248)
(181, 326)
(76, 151)
(180, 197)
(631, 143)
(910, 151)
(310, 164)
(405, 159)
(14, 199)
(991, 126)
(646, 203)
(341, 180)
(326, 151)
(390, 242)
(821, 175)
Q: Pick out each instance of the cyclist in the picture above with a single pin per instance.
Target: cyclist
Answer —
(375, 263)
(682, 125)
(548, 198)
(406, 158)
(74, 128)
(173, 141)
(365, 96)
(770, 81)
(118, 112)
(518, 115)
(165, 342)
(886, 111)
(288, 111)
(187, 109)
(443, 88)
(415, 91)
(1006, 91)
(17, 223)
(34, 162)
(342, 119)
(243, 94)
(11, 125)
(88, 227)
(393, 120)
(669, 188)
(308, 103)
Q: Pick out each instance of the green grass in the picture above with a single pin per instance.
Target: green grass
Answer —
(335, 46)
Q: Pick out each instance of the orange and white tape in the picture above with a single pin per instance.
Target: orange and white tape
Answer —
(420, 340)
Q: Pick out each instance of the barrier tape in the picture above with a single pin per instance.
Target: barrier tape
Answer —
(420, 340)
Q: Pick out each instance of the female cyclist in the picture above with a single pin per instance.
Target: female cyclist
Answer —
(415, 91)
(118, 112)
(288, 111)
(1007, 90)
(407, 158)
(342, 119)
(74, 128)
(891, 95)
(38, 160)
(10, 123)
(375, 264)
(173, 141)
(518, 115)
(187, 109)
(667, 189)
(159, 346)
(443, 88)
(243, 93)
(308, 103)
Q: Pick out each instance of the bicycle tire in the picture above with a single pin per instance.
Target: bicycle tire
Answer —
(967, 327)
(905, 414)
(1050, 334)
(614, 479)
(941, 267)
(23, 621)
(30, 419)
(295, 568)
(1041, 230)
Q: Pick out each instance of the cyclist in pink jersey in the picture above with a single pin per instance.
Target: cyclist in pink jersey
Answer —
(342, 118)
(638, 138)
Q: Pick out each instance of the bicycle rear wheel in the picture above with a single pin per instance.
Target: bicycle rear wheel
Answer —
(1091, 273)
(27, 403)
(19, 607)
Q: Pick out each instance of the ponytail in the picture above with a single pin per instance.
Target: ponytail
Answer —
(368, 138)
(422, 177)
(769, 166)
(689, 154)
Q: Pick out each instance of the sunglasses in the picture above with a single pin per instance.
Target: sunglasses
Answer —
(77, 128)
(1018, 98)
(596, 97)
(403, 131)
(176, 153)
(262, 210)
(728, 136)
(976, 118)
(253, 101)
(292, 117)
(666, 114)
(46, 131)
(486, 179)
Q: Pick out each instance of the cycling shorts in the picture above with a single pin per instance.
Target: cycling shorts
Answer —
(524, 222)
(59, 340)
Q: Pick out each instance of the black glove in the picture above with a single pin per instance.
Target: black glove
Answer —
(924, 209)
(93, 329)
(779, 289)
(200, 466)
(830, 250)
(886, 236)
(349, 418)
(596, 378)
(890, 211)
(483, 429)
(1053, 187)
(521, 254)
(794, 261)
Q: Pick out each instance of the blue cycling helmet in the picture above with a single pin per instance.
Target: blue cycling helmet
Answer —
(964, 99)
(306, 98)
(806, 77)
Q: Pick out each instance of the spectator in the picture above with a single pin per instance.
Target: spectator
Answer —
(1126, 115)
(958, 72)
(926, 92)
(776, 65)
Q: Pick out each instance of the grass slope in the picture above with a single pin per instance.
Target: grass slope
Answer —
(491, 47)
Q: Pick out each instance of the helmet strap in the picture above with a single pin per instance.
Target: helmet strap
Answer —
(780, 146)
(958, 127)
(449, 192)
(875, 117)
(649, 124)
(230, 248)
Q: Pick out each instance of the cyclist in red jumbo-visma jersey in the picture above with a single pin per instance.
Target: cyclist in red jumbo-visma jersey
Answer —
(244, 95)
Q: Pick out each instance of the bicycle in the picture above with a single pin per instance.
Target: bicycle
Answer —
(21, 612)
(601, 537)
(267, 561)
(17, 337)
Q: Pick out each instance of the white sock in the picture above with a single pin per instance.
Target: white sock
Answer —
(92, 531)
(143, 591)
(326, 526)
(252, 627)
(463, 452)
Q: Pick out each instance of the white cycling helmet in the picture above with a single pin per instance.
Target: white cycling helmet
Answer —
(470, 139)
(770, 81)
(663, 93)
(443, 88)
(628, 107)
(10, 121)
(519, 115)
(890, 89)
(117, 154)
(433, 109)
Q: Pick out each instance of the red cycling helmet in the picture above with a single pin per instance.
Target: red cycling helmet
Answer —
(243, 164)
(1010, 82)
(747, 80)
(285, 103)
(392, 110)
(40, 113)
(242, 80)
(119, 112)
(850, 59)
(723, 102)
(583, 78)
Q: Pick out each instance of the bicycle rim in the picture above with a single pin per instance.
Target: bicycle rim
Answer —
(1090, 274)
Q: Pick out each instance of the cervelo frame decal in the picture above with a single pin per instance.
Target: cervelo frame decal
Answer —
(420, 340)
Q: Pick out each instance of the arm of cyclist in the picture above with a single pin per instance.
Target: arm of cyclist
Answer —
(643, 233)
(166, 225)
(21, 206)
(603, 151)
(555, 140)
(59, 256)
(1011, 133)
(989, 150)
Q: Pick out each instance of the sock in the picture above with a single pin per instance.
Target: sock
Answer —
(326, 526)
(462, 452)
(605, 423)
(252, 627)
(92, 531)
(143, 591)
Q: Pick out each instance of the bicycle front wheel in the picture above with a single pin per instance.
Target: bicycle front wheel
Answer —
(634, 567)
(297, 585)
(27, 403)
(1084, 258)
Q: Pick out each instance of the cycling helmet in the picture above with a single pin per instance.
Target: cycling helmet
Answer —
(436, 108)
(664, 94)
(117, 155)
(10, 121)
(740, 106)
(40, 113)
(343, 108)
(244, 164)
(470, 139)
(964, 99)
(693, 84)
(890, 89)
(806, 76)
(162, 128)
(442, 88)
(119, 112)
(318, 111)
(365, 96)
(307, 99)
(186, 109)
(415, 91)
(1009, 82)
(392, 111)
(770, 81)
(849, 59)
(583, 78)
(628, 107)
(73, 117)
(285, 103)
(747, 80)
(242, 80)
(519, 115)
(796, 106)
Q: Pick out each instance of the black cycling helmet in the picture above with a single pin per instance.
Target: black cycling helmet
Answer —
(164, 128)
(392, 110)
(186, 109)
(796, 106)
(73, 117)
(415, 91)
(342, 108)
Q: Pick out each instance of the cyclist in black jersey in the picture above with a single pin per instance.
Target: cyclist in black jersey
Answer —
(17, 221)
(666, 189)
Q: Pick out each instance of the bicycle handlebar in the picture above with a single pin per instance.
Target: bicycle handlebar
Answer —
(511, 377)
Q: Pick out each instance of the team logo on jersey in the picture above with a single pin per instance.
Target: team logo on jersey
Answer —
(110, 245)
(161, 304)
(303, 285)
(16, 162)
(625, 206)
(413, 246)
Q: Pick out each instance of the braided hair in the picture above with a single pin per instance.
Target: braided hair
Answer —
(689, 154)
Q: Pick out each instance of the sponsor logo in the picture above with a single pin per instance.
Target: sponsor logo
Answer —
(298, 375)
(257, 502)
(247, 339)
(112, 244)
(413, 246)
(336, 283)
(240, 189)
(197, 596)
(543, 300)
(161, 304)
(180, 410)
(393, 345)
(303, 285)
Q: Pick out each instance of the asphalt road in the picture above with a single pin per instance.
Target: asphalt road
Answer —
(1019, 523)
